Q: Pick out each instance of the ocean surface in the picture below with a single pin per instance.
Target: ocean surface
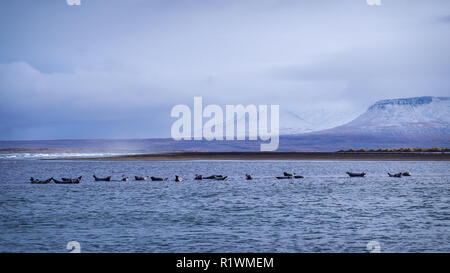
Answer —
(325, 212)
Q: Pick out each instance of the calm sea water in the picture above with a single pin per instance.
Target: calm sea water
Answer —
(324, 212)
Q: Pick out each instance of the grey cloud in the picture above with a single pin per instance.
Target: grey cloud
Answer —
(444, 19)
(115, 68)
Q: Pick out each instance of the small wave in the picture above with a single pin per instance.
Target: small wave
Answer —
(19, 156)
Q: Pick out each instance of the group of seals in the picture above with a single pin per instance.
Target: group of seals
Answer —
(62, 181)
(212, 177)
(399, 175)
(197, 177)
(289, 176)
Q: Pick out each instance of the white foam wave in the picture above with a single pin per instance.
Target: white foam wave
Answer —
(18, 156)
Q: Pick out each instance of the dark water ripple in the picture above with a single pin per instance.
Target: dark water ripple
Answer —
(325, 212)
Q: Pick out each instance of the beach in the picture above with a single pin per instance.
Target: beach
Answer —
(340, 156)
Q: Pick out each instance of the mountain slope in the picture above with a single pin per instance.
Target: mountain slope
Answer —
(301, 121)
(408, 122)
(420, 116)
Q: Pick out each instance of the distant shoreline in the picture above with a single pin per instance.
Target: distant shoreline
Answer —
(340, 156)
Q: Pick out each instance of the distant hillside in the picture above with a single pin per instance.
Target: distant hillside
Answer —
(412, 117)
(409, 122)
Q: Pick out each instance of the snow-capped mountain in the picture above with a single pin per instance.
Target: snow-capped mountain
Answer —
(305, 121)
(395, 123)
(420, 116)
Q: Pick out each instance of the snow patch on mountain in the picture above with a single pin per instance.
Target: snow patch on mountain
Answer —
(393, 117)
(299, 121)
(305, 121)
(420, 115)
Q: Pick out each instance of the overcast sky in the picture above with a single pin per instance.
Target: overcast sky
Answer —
(114, 69)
